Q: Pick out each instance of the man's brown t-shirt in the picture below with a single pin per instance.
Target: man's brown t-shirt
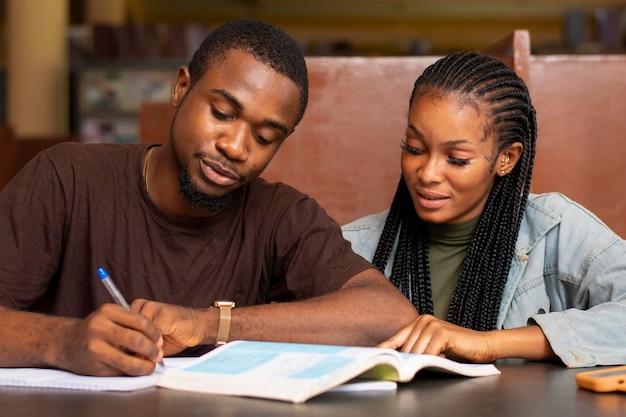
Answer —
(76, 208)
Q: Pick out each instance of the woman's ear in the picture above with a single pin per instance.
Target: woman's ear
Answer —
(508, 157)
(180, 87)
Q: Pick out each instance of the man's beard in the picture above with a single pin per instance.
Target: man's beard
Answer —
(212, 204)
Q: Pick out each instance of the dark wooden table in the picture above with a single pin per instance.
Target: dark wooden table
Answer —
(523, 389)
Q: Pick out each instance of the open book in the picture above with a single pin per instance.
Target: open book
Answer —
(296, 372)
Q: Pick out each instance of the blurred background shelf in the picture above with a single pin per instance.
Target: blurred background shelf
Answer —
(122, 52)
(107, 96)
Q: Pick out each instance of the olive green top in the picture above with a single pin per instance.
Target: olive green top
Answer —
(447, 248)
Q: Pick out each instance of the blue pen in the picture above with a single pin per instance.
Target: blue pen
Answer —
(116, 294)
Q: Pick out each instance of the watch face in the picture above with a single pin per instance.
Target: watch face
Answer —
(230, 304)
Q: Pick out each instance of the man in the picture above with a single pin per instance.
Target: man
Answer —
(183, 225)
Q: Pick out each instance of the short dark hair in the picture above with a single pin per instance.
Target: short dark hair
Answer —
(268, 43)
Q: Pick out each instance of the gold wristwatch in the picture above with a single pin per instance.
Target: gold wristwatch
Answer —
(224, 326)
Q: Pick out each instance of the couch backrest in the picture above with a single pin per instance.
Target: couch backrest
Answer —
(581, 141)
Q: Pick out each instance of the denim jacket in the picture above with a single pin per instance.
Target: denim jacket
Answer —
(568, 275)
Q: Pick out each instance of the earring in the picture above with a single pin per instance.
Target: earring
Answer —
(505, 161)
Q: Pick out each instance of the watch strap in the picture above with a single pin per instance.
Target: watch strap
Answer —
(223, 328)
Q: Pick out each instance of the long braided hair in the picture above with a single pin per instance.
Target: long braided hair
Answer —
(477, 297)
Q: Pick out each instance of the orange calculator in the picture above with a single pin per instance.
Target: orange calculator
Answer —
(603, 380)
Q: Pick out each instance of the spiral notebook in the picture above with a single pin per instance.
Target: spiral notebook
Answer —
(53, 378)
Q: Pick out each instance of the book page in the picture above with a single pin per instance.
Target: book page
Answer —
(280, 360)
(409, 364)
(412, 363)
(433, 362)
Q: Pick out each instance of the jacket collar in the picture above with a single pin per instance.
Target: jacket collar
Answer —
(536, 223)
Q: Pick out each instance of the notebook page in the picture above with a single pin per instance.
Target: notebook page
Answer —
(53, 378)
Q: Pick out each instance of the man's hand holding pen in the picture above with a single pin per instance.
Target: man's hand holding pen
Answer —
(111, 341)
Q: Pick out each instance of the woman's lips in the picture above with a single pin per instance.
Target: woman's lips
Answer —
(431, 200)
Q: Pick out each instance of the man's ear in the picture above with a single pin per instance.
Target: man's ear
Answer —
(180, 87)
(508, 157)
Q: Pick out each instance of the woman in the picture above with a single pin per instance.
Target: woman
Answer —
(493, 271)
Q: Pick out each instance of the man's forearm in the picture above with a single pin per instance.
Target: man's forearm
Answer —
(30, 339)
(363, 314)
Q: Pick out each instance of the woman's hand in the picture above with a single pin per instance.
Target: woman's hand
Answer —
(430, 335)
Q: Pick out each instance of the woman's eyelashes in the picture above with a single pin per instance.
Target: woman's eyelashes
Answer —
(417, 151)
(410, 149)
(459, 161)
